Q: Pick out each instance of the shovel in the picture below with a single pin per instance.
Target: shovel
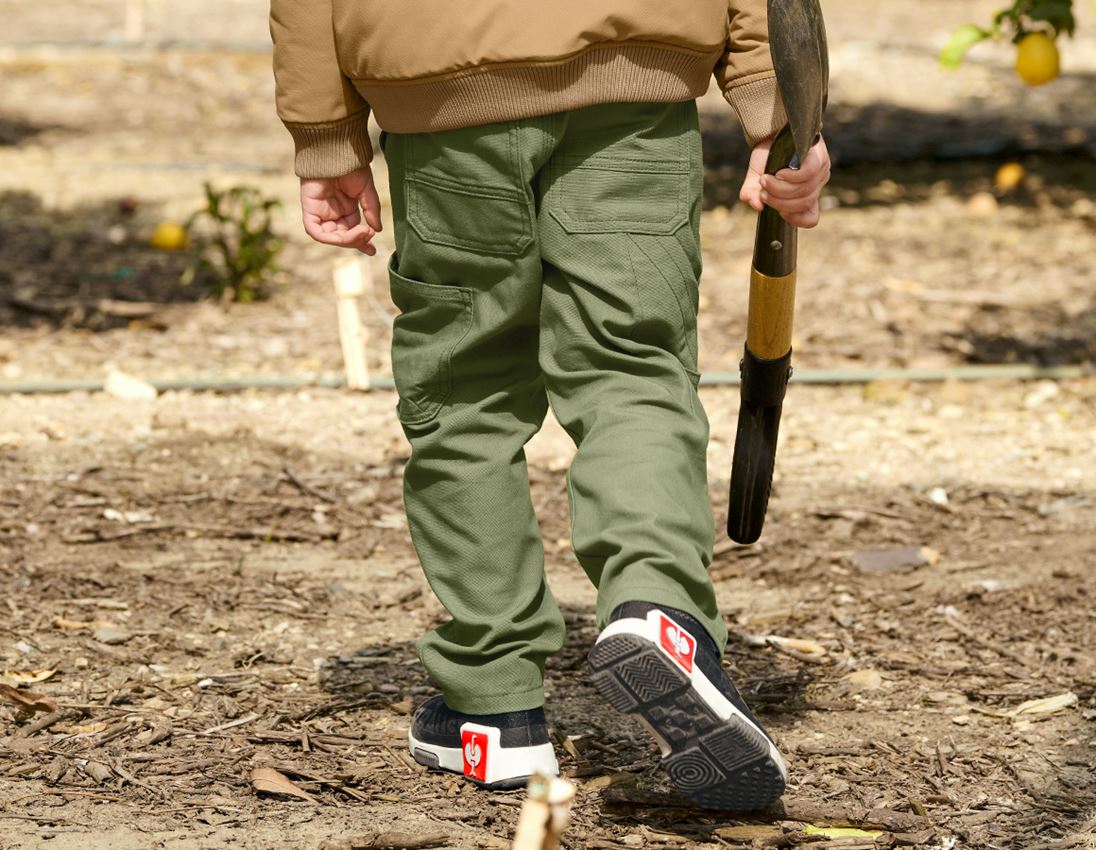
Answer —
(797, 38)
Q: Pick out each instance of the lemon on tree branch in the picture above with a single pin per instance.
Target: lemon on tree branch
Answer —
(1032, 25)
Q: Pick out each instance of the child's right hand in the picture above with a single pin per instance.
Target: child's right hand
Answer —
(792, 193)
(332, 208)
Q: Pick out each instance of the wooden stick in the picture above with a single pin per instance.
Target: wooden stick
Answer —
(350, 284)
(135, 20)
(545, 815)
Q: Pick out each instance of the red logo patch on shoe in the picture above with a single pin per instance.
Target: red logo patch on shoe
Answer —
(676, 641)
(474, 750)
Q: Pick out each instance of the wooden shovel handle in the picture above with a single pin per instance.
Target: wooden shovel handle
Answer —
(772, 282)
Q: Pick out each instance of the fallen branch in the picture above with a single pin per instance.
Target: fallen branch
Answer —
(840, 816)
(271, 737)
(232, 724)
(97, 535)
(386, 841)
(783, 811)
(307, 489)
(966, 632)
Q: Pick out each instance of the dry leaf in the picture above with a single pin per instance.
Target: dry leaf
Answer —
(890, 560)
(71, 625)
(98, 771)
(111, 635)
(865, 680)
(751, 832)
(807, 647)
(83, 728)
(270, 781)
(606, 780)
(27, 701)
(1046, 705)
(102, 602)
(82, 625)
(569, 746)
(840, 832)
(886, 392)
(26, 677)
(404, 706)
(56, 770)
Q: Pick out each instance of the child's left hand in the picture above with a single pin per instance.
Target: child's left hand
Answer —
(792, 193)
(343, 211)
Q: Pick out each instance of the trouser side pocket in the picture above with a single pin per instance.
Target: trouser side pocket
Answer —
(431, 323)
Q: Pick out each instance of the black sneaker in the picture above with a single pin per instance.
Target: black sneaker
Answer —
(497, 751)
(661, 665)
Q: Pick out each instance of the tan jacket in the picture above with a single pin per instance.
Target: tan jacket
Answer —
(426, 65)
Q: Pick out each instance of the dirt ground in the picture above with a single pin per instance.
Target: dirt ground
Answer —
(214, 583)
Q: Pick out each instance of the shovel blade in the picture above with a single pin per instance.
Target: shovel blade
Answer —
(752, 470)
(797, 41)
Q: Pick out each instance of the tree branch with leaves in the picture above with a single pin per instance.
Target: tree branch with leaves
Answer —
(1034, 26)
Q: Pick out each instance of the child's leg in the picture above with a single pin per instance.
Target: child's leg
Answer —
(467, 280)
(619, 230)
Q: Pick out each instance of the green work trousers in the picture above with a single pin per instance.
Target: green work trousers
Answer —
(549, 261)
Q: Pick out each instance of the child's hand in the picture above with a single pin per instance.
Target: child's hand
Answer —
(333, 207)
(794, 194)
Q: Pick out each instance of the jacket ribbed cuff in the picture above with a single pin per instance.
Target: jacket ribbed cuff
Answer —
(760, 108)
(332, 149)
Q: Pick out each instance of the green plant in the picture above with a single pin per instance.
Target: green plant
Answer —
(235, 242)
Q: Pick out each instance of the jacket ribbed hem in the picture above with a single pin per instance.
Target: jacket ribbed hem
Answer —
(334, 149)
(760, 108)
(617, 73)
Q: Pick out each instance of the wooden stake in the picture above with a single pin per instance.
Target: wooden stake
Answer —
(135, 20)
(350, 283)
(546, 813)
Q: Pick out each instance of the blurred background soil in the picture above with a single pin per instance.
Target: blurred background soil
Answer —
(220, 582)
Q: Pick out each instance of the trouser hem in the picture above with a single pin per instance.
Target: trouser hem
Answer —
(495, 703)
(672, 598)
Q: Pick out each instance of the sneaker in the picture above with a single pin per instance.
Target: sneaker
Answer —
(497, 751)
(661, 665)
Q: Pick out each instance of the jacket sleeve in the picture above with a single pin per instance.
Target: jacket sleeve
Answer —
(320, 107)
(745, 72)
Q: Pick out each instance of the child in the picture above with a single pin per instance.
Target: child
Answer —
(545, 169)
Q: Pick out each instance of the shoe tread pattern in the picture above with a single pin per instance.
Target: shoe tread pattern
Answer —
(718, 764)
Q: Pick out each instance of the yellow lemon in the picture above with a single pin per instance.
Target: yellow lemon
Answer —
(1037, 59)
(1008, 177)
(169, 236)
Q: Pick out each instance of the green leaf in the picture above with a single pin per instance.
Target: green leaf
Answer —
(962, 40)
(237, 256)
(1050, 10)
(1057, 13)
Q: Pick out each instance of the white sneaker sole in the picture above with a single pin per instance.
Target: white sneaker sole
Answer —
(492, 765)
(715, 755)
